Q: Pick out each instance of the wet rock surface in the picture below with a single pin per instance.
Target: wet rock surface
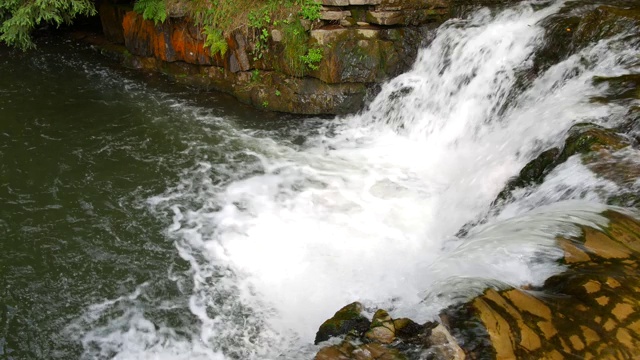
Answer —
(347, 320)
(582, 139)
(384, 338)
(589, 311)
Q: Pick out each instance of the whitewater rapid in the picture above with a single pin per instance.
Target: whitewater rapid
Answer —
(368, 207)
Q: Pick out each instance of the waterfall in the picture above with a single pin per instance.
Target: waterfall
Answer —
(367, 208)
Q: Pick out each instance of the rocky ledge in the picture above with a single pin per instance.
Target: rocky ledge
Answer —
(357, 43)
(592, 310)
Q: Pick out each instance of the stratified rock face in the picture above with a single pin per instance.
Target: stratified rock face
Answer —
(174, 40)
(590, 311)
(362, 42)
(111, 16)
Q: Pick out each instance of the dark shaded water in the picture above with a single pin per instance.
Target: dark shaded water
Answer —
(82, 145)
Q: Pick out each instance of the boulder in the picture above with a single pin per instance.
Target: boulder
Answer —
(346, 320)
(382, 329)
(391, 339)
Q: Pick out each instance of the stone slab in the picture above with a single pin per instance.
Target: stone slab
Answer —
(334, 15)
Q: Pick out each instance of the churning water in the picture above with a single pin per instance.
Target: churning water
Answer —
(280, 228)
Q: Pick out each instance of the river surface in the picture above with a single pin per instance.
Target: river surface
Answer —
(143, 220)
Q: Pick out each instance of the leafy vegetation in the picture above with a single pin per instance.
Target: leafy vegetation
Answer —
(214, 39)
(310, 10)
(18, 18)
(312, 58)
(155, 10)
(218, 18)
(295, 40)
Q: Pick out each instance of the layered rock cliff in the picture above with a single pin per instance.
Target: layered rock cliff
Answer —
(355, 44)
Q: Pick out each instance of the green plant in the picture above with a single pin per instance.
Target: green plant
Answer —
(310, 9)
(215, 40)
(265, 103)
(19, 17)
(260, 19)
(278, 93)
(255, 75)
(313, 58)
(151, 10)
(295, 40)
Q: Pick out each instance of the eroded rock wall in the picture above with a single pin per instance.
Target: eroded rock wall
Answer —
(362, 42)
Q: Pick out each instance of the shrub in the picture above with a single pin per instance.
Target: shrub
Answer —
(19, 17)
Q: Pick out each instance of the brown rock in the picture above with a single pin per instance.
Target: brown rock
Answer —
(385, 17)
(365, 2)
(333, 15)
(445, 345)
(335, 2)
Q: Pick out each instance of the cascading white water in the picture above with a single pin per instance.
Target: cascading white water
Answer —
(368, 210)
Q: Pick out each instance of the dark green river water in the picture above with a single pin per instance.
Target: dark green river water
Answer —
(82, 145)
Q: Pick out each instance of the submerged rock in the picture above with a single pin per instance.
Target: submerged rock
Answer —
(576, 26)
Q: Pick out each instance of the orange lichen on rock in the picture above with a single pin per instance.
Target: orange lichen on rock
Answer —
(170, 41)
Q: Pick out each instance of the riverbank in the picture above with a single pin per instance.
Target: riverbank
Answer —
(325, 63)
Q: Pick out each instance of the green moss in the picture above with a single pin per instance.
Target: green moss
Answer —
(295, 40)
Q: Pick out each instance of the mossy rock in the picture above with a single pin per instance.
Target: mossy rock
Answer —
(347, 320)
(382, 329)
(585, 138)
(608, 21)
(574, 27)
(582, 139)
(625, 87)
